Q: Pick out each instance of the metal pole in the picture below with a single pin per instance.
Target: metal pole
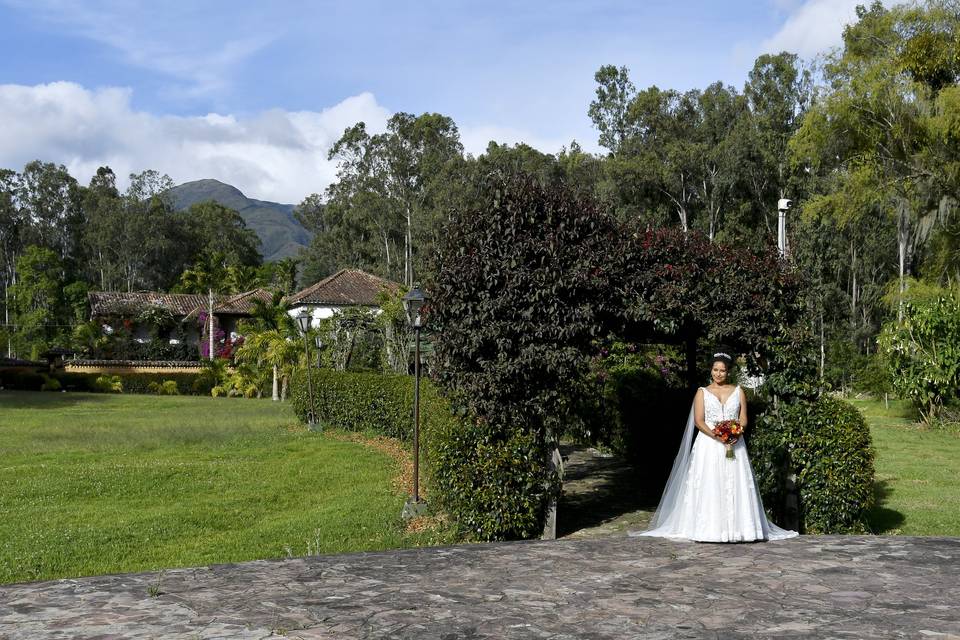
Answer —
(312, 418)
(416, 417)
(782, 233)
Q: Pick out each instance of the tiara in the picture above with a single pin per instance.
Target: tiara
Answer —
(725, 355)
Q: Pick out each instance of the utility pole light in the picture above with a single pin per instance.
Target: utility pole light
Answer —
(413, 303)
(783, 205)
(303, 322)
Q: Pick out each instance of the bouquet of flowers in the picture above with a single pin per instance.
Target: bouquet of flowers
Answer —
(729, 431)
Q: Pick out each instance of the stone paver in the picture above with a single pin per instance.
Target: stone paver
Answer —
(618, 587)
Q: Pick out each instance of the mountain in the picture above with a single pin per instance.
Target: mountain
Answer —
(280, 234)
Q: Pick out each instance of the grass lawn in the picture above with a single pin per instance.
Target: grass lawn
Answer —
(917, 473)
(96, 483)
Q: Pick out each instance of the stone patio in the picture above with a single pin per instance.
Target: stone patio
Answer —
(615, 587)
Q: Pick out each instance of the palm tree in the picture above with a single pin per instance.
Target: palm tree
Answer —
(271, 348)
(268, 327)
(209, 273)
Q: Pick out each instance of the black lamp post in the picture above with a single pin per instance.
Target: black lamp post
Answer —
(413, 302)
(303, 321)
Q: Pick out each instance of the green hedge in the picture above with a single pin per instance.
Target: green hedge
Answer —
(22, 380)
(826, 444)
(489, 485)
(365, 402)
(195, 384)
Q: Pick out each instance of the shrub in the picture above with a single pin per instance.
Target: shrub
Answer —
(924, 352)
(50, 384)
(165, 388)
(109, 384)
(826, 444)
(77, 381)
(174, 383)
(21, 380)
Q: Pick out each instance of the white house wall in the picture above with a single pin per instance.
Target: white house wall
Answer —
(322, 312)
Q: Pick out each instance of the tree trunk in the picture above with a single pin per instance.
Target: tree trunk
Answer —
(823, 349)
(903, 236)
(408, 251)
(6, 318)
(276, 382)
(210, 323)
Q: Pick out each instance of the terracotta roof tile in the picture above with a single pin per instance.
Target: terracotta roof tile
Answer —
(242, 303)
(346, 288)
(105, 303)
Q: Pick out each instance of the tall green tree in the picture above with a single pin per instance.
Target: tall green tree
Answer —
(869, 130)
(12, 226)
(210, 227)
(104, 208)
(39, 314)
(50, 200)
(384, 197)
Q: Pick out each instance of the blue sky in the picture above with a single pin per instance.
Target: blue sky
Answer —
(254, 93)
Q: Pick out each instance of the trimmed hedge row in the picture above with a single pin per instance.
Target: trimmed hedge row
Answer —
(482, 480)
(198, 384)
(826, 444)
(365, 402)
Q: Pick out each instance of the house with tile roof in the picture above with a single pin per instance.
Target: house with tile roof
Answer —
(344, 289)
(184, 309)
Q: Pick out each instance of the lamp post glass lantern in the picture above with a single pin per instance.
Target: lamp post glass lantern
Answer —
(413, 303)
(303, 321)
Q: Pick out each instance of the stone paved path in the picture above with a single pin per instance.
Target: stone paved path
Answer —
(600, 496)
(615, 587)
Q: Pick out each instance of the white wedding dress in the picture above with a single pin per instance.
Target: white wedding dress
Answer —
(709, 497)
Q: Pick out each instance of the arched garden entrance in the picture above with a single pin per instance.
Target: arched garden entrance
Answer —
(533, 298)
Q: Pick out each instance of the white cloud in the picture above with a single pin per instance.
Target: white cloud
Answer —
(813, 27)
(274, 155)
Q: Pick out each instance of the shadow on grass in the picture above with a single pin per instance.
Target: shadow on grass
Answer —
(881, 519)
(47, 399)
(598, 489)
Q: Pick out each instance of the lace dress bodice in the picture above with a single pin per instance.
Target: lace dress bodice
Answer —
(714, 411)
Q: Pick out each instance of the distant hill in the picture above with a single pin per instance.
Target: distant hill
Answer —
(280, 234)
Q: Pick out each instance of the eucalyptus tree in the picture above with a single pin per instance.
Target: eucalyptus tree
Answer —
(12, 227)
(610, 111)
(145, 233)
(210, 227)
(870, 130)
(778, 92)
(387, 182)
(103, 206)
(48, 197)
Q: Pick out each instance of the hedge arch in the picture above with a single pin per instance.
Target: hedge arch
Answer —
(527, 286)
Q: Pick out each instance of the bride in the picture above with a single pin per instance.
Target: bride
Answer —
(710, 497)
